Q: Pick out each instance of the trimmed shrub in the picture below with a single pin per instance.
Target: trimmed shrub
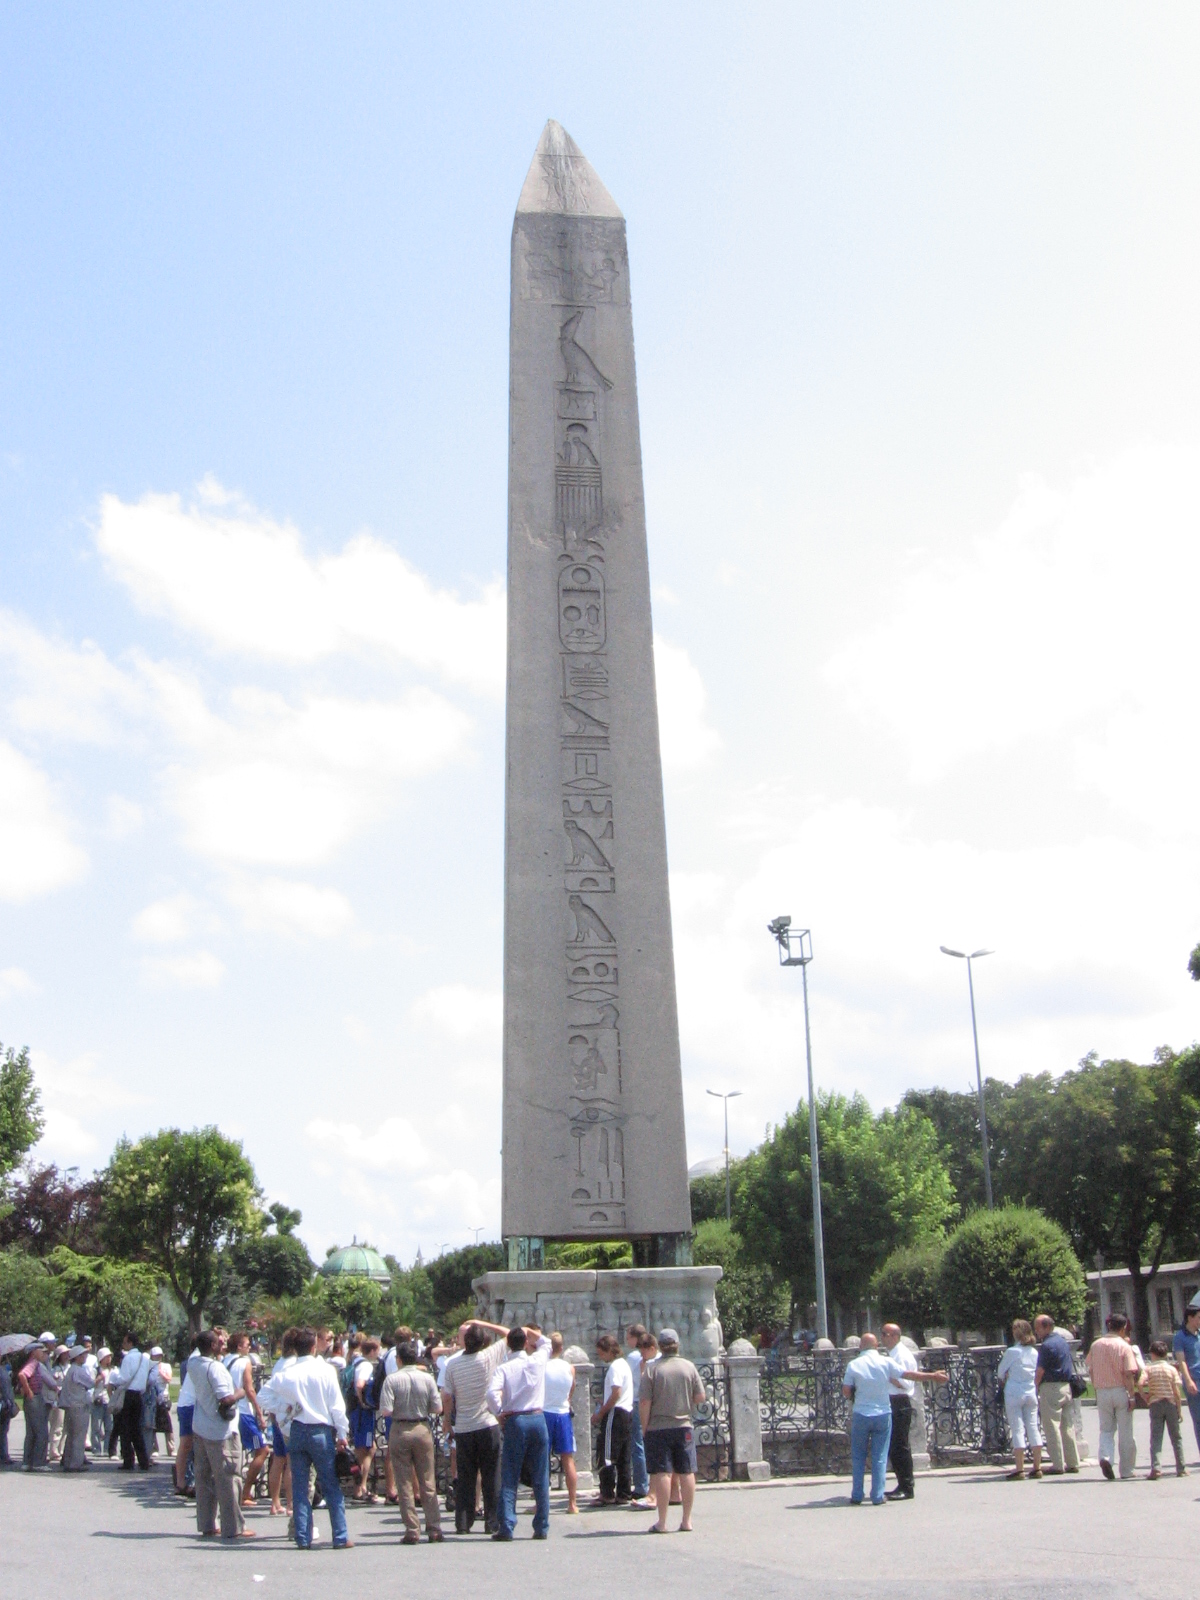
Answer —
(1010, 1263)
(908, 1287)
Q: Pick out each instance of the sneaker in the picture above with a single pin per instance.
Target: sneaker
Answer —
(1106, 1467)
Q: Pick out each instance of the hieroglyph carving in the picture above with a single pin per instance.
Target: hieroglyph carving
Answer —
(583, 265)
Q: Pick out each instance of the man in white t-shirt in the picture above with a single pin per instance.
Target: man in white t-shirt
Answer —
(634, 1335)
(560, 1430)
(900, 1395)
(613, 1417)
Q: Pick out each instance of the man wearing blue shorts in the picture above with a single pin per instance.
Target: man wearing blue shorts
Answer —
(251, 1424)
(670, 1391)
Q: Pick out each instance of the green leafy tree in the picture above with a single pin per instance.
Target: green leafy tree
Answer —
(173, 1199)
(708, 1195)
(883, 1182)
(750, 1300)
(451, 1274)
(591, 1255)
(412, 1298)
(107, 1298)
(30, 1296)
(285, 1219)
(1114, 1162)
(272, 1264)
(907, 1288)
(1194, 964)
(1010, 1263)
(357, 1303)
(21, 1119)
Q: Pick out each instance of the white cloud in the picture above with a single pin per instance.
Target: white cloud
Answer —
(277, 784)
(393, 1145)
(1075, 619)
(76, 1095)
(244, 582)
(197, 970)
(168, 921)
(277, 905)
(685, 735)
(461, 1012)
(37, 853)
(56, 688)
(14, 981)
(123, 817)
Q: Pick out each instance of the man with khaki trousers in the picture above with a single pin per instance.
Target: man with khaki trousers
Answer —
(216, 1444)
(410, 1398)
(1055, 1370)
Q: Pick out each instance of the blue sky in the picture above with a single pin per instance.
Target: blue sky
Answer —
(917, 338)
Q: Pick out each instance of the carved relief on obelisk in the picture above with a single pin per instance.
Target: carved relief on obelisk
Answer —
(593, 1114)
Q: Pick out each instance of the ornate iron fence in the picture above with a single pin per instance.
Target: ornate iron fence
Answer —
(805, 1416)
(964, 1417)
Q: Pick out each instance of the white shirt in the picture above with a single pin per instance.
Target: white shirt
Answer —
(236, 1366)
(903, 1356)
(519, 1384)
(560, 1375)
(1018, 1367)
(619, 1378)
(634, 1358)
(187, 1394)
(389, 1362)
(311, 1390)
(135, 1369)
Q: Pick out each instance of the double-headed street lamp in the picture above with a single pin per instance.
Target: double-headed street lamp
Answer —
(795, 950)
(961, 955)
(734, 1094)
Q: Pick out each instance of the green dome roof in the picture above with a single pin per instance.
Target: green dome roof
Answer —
(356, 1261)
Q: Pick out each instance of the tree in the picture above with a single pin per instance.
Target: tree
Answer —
(451, 1274)
(30, 1297)
(273, 1264)
(21, 1119)
(285, 1219)
(883, 1182)
(1194, 964)
(907, 1287)
(591, 1255)
(172, 1200)
(1010, 1263)
(750, 1300)
(107, 1298)
(49, 1207)
(1114, 1159)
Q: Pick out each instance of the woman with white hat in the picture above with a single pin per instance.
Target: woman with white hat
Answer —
(76, 1400)
(101, 1410)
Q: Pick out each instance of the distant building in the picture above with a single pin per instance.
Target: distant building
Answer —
(1172, 1287)
(356, 1261)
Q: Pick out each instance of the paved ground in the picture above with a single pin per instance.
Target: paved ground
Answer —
(968, 1535)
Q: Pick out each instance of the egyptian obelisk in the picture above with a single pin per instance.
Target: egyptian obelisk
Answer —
(593, 1101)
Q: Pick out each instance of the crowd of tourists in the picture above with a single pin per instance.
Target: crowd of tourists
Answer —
(339, 1417)
(335, 1409)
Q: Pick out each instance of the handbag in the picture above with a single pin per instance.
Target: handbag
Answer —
(1077, 1386)
(226, 1404)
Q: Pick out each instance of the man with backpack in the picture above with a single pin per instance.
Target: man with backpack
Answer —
(360, 1371)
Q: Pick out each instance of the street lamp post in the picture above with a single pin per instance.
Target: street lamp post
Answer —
(734, 1094)
(795, 950)
(983, 1133)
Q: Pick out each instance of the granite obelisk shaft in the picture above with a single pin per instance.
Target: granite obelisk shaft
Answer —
(593, 1102)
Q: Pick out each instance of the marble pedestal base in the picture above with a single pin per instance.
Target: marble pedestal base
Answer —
(580, 1305)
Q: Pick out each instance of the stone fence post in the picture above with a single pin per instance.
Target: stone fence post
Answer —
(742, 1370)
(918, 1441)
(581, 1417)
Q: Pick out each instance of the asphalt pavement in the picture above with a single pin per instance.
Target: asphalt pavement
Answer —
(968, 1534)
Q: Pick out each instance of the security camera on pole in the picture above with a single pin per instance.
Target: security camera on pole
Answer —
(795, 950)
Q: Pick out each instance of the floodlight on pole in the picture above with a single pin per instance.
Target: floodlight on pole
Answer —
(734, 1094)
(795, 950)
(961, 955)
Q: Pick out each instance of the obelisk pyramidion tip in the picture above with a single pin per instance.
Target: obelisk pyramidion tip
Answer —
(561, 180)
